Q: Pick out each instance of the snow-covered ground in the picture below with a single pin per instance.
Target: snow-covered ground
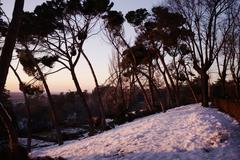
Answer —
(186, 133)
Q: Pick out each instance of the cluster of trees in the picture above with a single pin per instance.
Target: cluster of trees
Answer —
(175, 45)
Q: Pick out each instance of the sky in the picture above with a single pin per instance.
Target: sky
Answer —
(97, 49)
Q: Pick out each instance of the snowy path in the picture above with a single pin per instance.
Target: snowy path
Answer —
(185, 133)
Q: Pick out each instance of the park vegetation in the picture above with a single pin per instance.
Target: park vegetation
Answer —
(168, 64)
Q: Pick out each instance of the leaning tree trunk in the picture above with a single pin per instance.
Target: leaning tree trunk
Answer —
(149, 106)
(10, 41)
(120, 80)
(134, 66)
(27, 105)
(83, 100)
(119, 75)
(7, 122)
(103, 121)
(130, 92)
(52, 107)
(5, 60)
(192, 91)
(169, 91)
(173, 86)
(189, 84)
(154, 87)
(16, 151)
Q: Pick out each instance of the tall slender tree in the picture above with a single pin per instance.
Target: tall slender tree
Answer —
(113, 22)
(9, 42)
(77, 20)
(5, 59)
(164, 34)
(204, 19)
(31, 66)
(234, 64)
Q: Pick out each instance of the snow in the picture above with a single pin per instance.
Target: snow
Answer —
(189, 132)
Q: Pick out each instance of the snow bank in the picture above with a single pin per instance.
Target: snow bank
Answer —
(188, 132)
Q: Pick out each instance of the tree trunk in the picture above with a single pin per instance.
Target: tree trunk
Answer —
(27, 105)
(52, 107)
(29, 122)
(223, 82)
(81, 95)
(189, 84)
(131, 91)
(7, 122)
(154, 87)
(103, 121)
(5, 60)
(238, 89)
(121, 83)
(177, 95)
(173, 87)
(169, 91)
(192, 91)
(177, 87)
(204, 89)
(150, 83)
(236, 81)
(149, 106)
(223, 73)
(10, 41)
(134, 66)
(126, 101)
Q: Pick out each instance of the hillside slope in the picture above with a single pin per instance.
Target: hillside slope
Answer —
(189, 132)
